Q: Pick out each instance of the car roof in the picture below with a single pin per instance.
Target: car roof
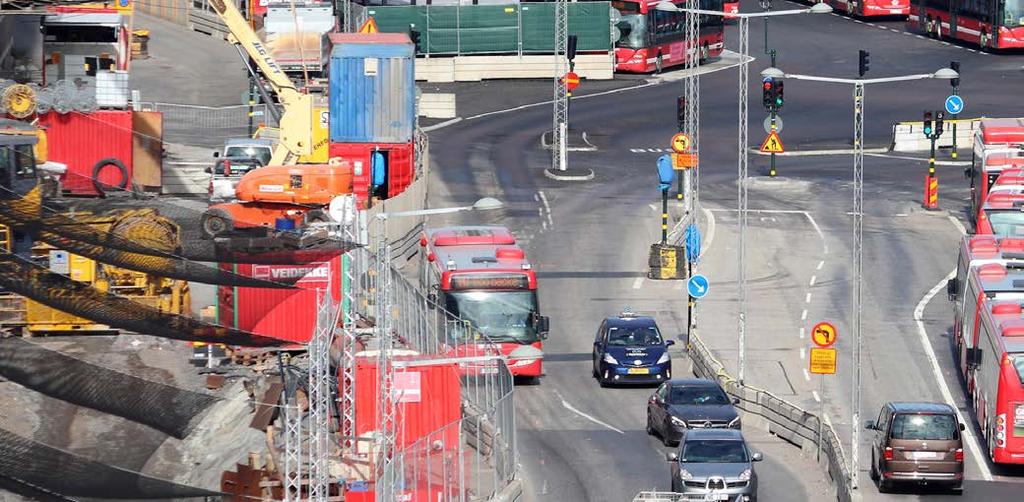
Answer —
(248, 142)
(724, 434)
(635, 321)
(921, 407)
(693, 382)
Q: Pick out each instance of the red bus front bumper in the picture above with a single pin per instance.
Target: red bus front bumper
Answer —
(1010, 38)
(632, 60)
(731, 8)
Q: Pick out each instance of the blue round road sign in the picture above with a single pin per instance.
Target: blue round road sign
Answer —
(697, 286)
(954, 104)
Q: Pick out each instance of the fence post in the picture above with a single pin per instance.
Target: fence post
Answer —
(427, 16)
(458, 30)
(519, 30)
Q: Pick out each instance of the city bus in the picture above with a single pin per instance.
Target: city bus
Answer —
(1002, 214)
(997, 363)
(871, 8)
(986, 167)
(480, 274)
(992, 24)
(994, 280)
(977, 251)
(652, 40)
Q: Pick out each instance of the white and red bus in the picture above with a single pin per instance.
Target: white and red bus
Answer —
(732, 8)
(1001, 214)
(987, 167)
(651, 39)
(996, 363)
(479, 274)
(992, 24)
(870, 8)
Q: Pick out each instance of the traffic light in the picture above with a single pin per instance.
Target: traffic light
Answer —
(681, 112)
(927, 123)
(768, 94)
(940, 116)
(778, 94)
(864, 62)
(955, 82)
(570, 47)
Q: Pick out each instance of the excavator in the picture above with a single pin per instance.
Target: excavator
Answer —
(284, 192)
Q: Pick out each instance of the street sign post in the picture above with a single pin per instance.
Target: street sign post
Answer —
(697, 286)
(954, 104)
(773, 143)
(824, 334)
(680, 143)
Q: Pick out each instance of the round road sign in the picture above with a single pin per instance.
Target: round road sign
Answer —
(768, 124)
(680, 143)
(824, 334)
(572, 81)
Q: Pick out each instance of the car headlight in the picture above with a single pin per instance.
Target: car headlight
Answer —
(734, 423)
(678, 422)
(663, 359)
(685, 475)
(609, 359)
(745, 475)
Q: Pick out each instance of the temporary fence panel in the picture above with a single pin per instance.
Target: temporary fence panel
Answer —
(495, 29)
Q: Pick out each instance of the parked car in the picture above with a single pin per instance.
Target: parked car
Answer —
(240, 155)
(692, 403)
(630, 349)
(917, 443)
(714, 464)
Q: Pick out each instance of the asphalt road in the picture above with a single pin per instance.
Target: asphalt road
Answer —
(589, 243)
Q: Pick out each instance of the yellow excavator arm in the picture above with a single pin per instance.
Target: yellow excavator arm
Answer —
(296, 123)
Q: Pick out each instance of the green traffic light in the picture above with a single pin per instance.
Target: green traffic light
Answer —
(927, 130)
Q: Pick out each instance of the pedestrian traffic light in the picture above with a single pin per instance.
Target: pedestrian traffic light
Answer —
(927, 123)
(955, 82)
(768, 94)
(681, 112)
(864, 62)
(940, 116)
(778, 94)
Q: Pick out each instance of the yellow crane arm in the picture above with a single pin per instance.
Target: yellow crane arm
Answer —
(296, 122)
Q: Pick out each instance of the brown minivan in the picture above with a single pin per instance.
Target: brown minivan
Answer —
(917, 443)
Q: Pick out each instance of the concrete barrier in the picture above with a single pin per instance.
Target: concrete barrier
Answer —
(437, 105)
(477, 68)
(909, 136)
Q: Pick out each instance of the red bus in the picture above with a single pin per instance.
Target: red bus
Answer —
(731, 8)
(866, 8)
(651, 40)
(996, 362)
(986, 167)
(479, 274)
(995, 24)
(1002, 214)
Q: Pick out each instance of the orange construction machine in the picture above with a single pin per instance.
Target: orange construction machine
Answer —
(269, 194)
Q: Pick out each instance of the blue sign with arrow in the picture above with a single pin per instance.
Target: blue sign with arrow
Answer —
(954, 104)
(697, 286)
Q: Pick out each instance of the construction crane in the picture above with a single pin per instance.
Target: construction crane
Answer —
(296, 117)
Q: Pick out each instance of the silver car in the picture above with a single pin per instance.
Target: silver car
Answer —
(714, 464)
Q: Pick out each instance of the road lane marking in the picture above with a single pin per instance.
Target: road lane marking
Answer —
(803, 315)
(820, 264)
(711, 230)
(813, 279)
(807, 299)
(807, 375)
(566, 405)
(956, 223)
(817, 398)
(803, 353)
(639, 281)
(802, 333)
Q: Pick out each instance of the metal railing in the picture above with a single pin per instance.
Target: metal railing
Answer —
(208, 125)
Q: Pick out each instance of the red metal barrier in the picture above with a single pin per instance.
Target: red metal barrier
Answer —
(931, 192)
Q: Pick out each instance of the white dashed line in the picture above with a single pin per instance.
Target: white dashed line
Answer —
(821, 264)
(921, 37)
(638, 282)
(802, 333)
(807, 299)
(817, 398)
(807, 375)
(814, 278)
(909, 34)
(543, 224)
(803, 315)
(803, 353)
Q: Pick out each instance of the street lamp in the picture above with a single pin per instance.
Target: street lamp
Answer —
(744, 85)
(858, 220)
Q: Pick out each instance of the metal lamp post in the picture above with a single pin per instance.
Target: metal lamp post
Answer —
(858, 220)
(744, 83)
(385, 369)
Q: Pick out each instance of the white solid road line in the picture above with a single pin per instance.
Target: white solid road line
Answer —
(638, 282)
(711, 230)
(959, 226)
(972, 441)
(573, 409)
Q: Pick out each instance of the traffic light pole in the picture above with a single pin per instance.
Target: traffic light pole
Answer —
(774, 109)
(664, 216)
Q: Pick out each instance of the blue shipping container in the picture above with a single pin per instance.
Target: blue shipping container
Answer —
(372, 88)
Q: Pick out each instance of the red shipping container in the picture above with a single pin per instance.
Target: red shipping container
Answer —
(401, 160)
(81, 140)
(284, 314)
(430, 400)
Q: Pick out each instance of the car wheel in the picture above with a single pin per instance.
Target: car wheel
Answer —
(874, 469)
(884, 486)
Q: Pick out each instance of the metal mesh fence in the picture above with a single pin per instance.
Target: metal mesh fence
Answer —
(168, 409)
(209, 125)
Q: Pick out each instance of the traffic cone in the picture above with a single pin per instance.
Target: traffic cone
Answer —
(931, 193)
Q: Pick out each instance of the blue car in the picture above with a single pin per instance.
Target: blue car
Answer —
(630, 349)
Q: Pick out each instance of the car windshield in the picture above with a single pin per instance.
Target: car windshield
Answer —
(697, 396)
(641, 336)
(719, 451)
(921, 426)
(502, 316)
(1013, 14)
(1006, 222)
(253, 152)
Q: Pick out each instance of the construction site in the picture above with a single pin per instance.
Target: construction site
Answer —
(246, 325)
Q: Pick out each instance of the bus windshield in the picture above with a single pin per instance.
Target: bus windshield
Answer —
(632, 25)
(1017, 360)
(1009, 223)
(501, 316)
(1013, 14)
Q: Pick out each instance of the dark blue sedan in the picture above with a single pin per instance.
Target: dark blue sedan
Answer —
(630, 349)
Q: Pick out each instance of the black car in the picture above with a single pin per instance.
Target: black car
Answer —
(689, 404)
(629, 349)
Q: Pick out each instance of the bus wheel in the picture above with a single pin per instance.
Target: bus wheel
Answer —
(658, 64)
(705, 53)
(983, 41)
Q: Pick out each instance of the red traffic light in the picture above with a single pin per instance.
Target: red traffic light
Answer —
(767, 86)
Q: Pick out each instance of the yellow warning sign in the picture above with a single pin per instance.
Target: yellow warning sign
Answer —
(684, 160)
(772, 144)
(823, 361)
(370, 26)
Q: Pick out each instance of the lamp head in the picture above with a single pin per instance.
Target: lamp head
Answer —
(487, 203)
(773, 72)
(946, 73)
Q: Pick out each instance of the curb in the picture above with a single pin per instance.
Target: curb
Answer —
(808, 153)
(570, 174)
(588, 148)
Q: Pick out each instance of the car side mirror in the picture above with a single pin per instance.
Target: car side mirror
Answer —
(672, 456)
(757, 457)
(543, 325)
(952, 286)
(870, 425)
(973, 358)
(963, 427)
(669, 343)
(216, 154)
(735, 400)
